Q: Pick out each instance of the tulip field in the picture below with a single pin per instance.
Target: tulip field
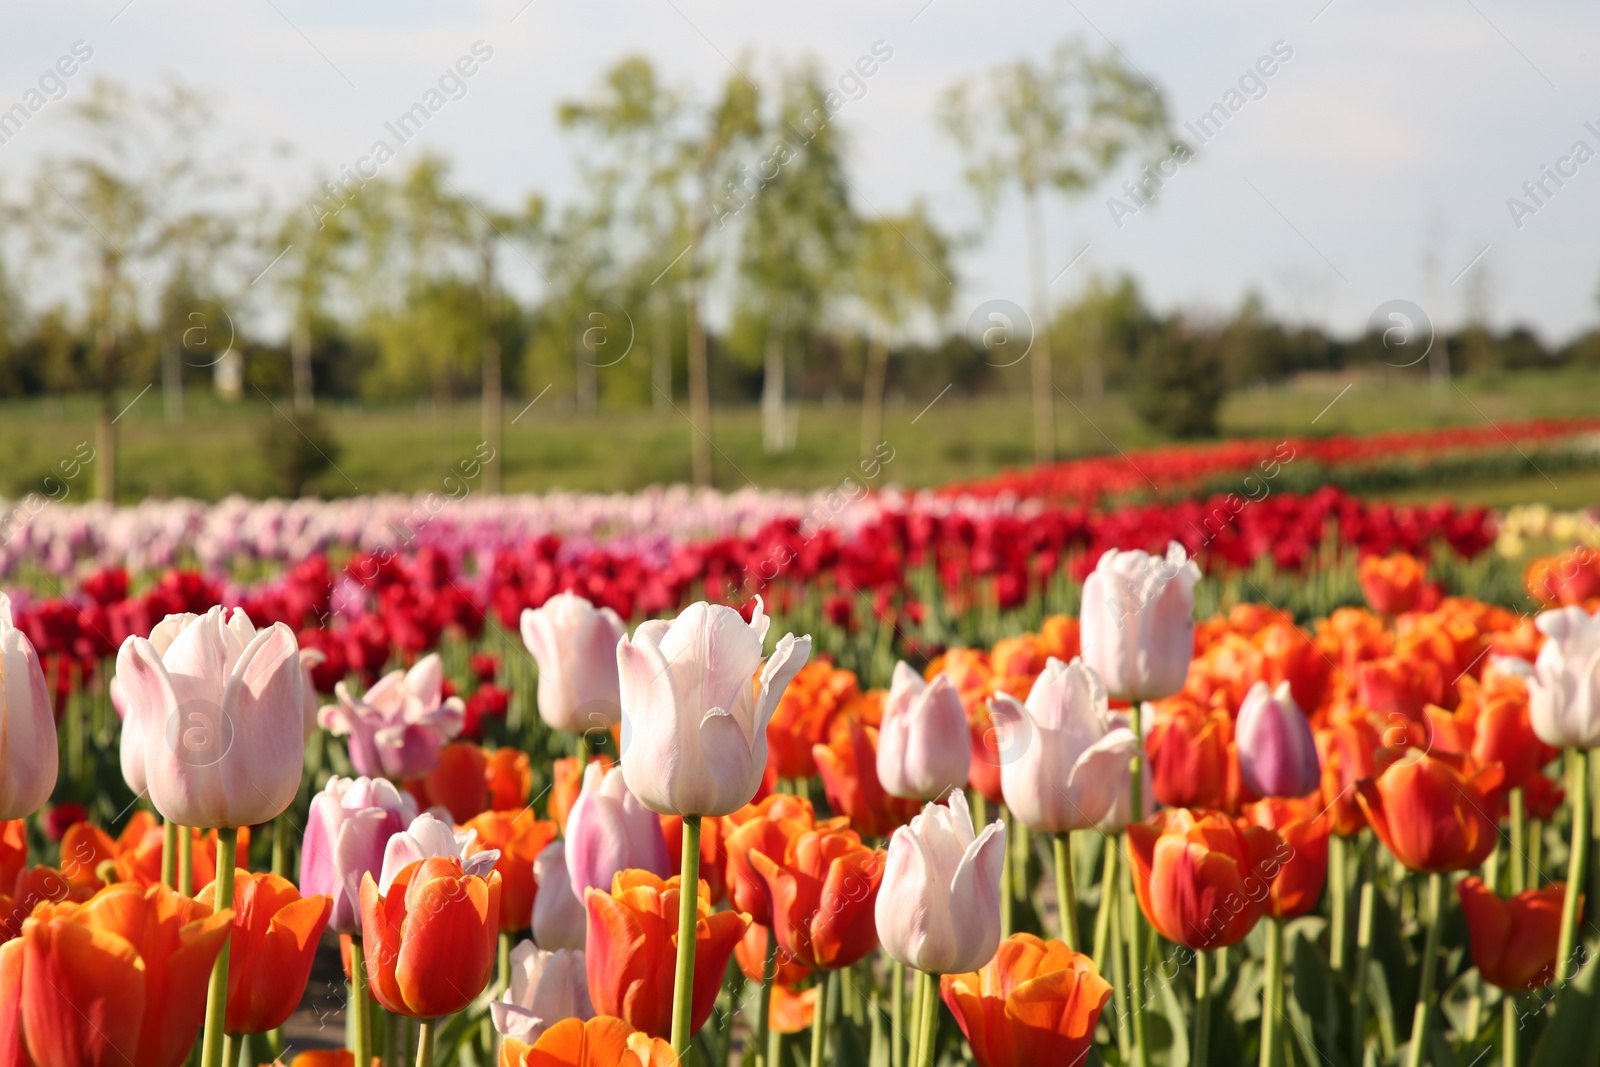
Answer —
(1058, 768)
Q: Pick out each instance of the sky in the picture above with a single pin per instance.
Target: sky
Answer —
(1378, 162)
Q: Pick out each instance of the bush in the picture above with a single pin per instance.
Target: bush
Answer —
(1177, 383)
(297, 449)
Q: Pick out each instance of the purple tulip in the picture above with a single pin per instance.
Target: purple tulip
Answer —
(348, 830)
(398, 727)
(1277, 754)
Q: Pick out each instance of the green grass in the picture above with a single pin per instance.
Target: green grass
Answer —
(218, 448)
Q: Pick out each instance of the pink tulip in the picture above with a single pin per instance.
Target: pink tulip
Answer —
(938, 909)
(917, 753)
(696, 700)
(347, 831)
(559, 918)
(1277, 754)
(27, 724)
(430, 837)
(1564, 682)
(133, 726)
(221, 714)
(1138, 622)
(609, 830)
(397, 729)
(546, 987)
(1064, 758)
(575, 645)
(310, 660)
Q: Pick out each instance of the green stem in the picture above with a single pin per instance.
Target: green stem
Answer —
(897, 1014)
(1339, 891)
(1363, 947)
(280, 845)
(914, 1035)
(1119, 976)
(217, 992)
(1141, 1055)
(1535, 852)
(230, 1051)
(1508, 1030)
(1005, 878)
(424, 1043)
(1272, 996)
(503, 964)
(169, 853)
(1102, 914)
(1202, 1008)
(185, 884)
(361, 1012)
(1519, 851)
(1579, 762)
(819, 1018)
(1066, 896)
(688, 915)
(1422, 1021)
(930, 1019)
(768, 971)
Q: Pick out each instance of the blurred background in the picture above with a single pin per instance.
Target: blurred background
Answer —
(297, 249)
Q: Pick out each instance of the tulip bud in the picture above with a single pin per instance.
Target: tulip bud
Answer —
(546, 987)
(1277, 754)
(696, 701)
(609, 830)
(1564, 691)
(559, 921)
(397, 727)
(1203, 880)
(938, 908)
(430, 837)
(27, 724)
(221, 711)
(133, 723)
(1065, 759)
(918, 756)
(1137, 622)
(1391, 584)
(575, 645)
(1432, 811)
(347, 831)
(430, 935)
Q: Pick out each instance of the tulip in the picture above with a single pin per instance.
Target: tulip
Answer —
(916, 756)
(1348, 753)
(1035, 1002)
(713, 864)
(849, 768)
(1297, 887)
(1430, 812)
(1391, 584)
(1065, 758)
(938, 907)
(696, 700)
(631, 951)
(458, 782)
(1564, 688)
(603, 1041)
(509, 777)
(273, 942)
(1188, 754)
(347, 830)
(1202, 880)
(758, 957)
(559, 921)
(133, 961)
(1513, 941)
(610, 830)
(519, 838)
(575, 645)
(546, 987)
(824, 893)
(221, 711)
(1277, 754)
(27, 724)
(430, 933)
(133, 723)
(767, 827)
(398, 727)
(1137, 626)
(310, 702)
(566, 782)
(429, 837)
(13, 851)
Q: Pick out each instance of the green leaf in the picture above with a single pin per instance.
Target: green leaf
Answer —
(1574, 1032)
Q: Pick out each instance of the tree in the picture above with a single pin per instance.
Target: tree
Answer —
(1060, 125)
(313, 247)
(901, 268)
(134, 189)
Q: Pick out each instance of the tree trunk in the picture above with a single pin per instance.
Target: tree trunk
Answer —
(493, 404)
(872, 395)
(105, 436)
(1044, 401)
(699, 389)
(660, 351)
(300, 364)
(171, 382)
(774, 431)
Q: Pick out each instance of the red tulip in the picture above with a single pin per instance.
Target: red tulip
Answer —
(1514, 942)
(1203, 880)
(1433, 811)
(1297, 888)
(430, 940)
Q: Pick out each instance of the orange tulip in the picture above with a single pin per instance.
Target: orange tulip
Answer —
(1391, 584)
(341, 1057)
(275, 934)
(824, 892)
(1188, 753)
(765, 827)
(1434, 812)
(848, 764)
(632, 950)
(751, 955)
(13, 851)
(118, 979)
(566, 783)
(458, 784)
(430, 940)
(520, 838)
(1514, 942)
(509, 779)
(1496, 710)
(803, 715)
(1399, 686)
(1203, 880)
(1297, 888)
(713, 852)
(1348, 751)
(603, 1041)
(1569, 579)
(1036, 1002)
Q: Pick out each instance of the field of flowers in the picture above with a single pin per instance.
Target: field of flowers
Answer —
(1044, 771)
